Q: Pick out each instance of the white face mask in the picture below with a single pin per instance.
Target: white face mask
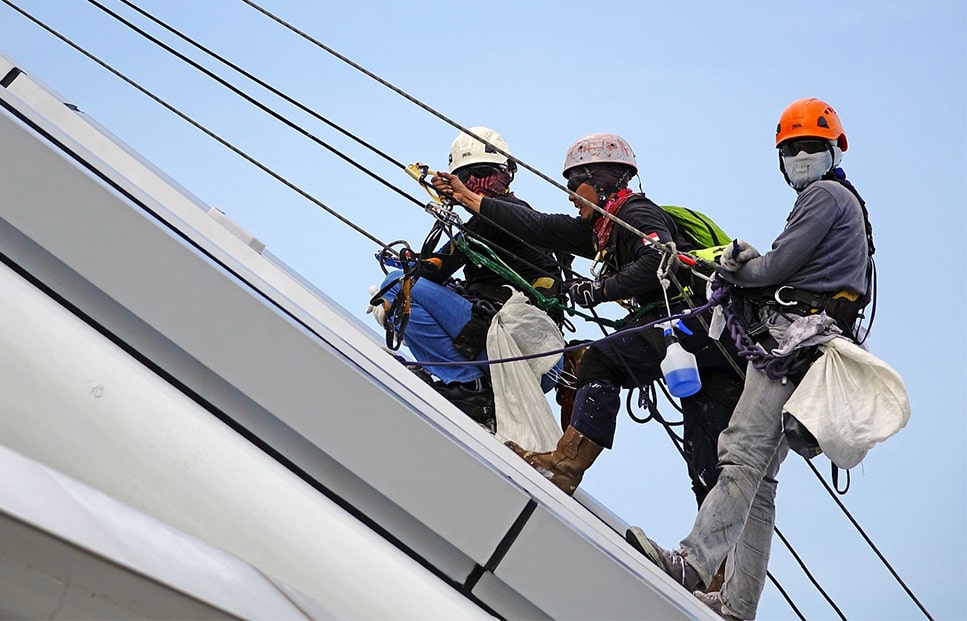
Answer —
(804, 168)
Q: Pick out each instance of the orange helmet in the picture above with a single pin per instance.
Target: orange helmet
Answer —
(810, 118)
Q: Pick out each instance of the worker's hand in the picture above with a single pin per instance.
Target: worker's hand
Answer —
(737, 253)
(378, 310)
(449, 185)
(586, 293)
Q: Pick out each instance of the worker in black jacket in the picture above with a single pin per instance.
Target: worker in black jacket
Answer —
(598, 169)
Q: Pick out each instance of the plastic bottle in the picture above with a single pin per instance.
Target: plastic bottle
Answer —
(679, 368)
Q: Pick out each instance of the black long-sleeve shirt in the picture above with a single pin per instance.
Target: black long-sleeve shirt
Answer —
(631, 265)
(526, 260)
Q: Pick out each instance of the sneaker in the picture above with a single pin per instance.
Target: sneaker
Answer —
(714, 601)
(474, 398)
(672, 563)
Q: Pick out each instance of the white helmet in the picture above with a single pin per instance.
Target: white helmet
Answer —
(600, 149)
(467, 150)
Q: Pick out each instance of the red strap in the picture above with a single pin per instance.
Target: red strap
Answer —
(602, 228)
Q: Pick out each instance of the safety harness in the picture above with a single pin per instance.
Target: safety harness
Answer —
(413, 266)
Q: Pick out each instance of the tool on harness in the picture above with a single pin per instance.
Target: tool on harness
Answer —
(843, 306)
(412, 267)
(748, 328)
(420, 172)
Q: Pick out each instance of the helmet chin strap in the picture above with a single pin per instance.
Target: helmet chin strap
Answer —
(604, 194)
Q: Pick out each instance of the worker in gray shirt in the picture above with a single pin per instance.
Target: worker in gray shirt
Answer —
(820, 263)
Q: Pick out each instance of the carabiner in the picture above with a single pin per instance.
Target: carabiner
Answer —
(598, 264)
(419, 172)
(779, 300)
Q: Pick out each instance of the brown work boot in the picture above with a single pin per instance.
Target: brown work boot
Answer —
(565, 465)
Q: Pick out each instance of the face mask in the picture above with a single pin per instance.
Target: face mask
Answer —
(493, 185)
(804, 168)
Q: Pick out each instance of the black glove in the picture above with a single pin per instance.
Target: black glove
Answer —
(586, 293)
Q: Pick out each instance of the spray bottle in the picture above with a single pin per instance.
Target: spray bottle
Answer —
(679, 367)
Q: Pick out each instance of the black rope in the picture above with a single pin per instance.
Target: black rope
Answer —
(299, 129)
(401, 306)
(264, 108)
(869, 541)
(304, 132)
(785, 595)
(296, 103)
(264, 85)
(452, 123)
(808, 573)
(198, 126)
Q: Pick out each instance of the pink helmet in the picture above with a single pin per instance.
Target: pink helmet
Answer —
(600, 149)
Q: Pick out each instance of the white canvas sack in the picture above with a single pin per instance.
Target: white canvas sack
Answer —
(849, 400)
(522, 411)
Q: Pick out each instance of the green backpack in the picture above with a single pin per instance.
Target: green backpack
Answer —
(708, 238)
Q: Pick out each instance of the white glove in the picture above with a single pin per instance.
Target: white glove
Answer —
(378, 310)
(717, 326)
(736, 254)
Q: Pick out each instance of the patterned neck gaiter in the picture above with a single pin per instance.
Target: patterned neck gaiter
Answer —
(492, 185)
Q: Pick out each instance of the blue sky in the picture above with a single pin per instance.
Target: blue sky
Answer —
(697, 91)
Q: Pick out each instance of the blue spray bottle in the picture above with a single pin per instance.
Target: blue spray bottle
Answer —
(679, 366)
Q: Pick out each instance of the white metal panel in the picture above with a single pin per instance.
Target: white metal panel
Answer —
(69, 551)
(591, 582)
(74, 400)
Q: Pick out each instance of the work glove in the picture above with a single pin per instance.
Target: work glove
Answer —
(586, 293)
(378, 310)
(737, 253)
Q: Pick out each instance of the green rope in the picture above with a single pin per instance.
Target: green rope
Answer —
(494, 263)
(487, 258)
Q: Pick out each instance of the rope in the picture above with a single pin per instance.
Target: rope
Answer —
(302, 131)
(869, 541)
(701, 309)
(275, 115)
(454, 124)
(491, 261)
(808, 573)
(198, 126)
(301, 106)
(260, 82)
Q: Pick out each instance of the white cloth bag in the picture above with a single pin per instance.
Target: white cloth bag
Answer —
(522, 411)
(849, 400)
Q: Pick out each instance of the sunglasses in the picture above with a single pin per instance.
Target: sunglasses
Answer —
(809, 145)
(575, 181)
(480, 171)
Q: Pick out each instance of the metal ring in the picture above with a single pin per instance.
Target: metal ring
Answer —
(779, 300)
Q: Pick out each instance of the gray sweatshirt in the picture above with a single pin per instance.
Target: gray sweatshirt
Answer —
(822, 249)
